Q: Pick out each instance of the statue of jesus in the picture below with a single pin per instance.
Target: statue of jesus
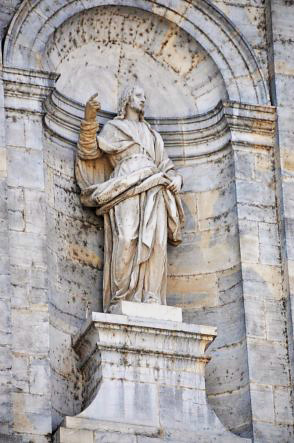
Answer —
(126, 174)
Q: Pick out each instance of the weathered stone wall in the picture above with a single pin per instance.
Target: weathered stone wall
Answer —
(205, 280)
(75, 260)
(266, 322)
(249, 16)
(280, 42)
(29, 314)
(238, 236)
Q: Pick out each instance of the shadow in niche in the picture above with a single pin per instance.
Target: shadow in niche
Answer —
(204, 272)
(75, 261)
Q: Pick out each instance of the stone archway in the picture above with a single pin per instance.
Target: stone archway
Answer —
(206, 24)
(104, 48)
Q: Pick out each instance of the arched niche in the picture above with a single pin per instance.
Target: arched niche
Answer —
(204, 273)
(200, 19)
(104, 48)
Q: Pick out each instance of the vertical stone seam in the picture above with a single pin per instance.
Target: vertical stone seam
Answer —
(270, 52)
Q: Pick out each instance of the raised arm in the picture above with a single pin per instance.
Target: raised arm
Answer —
(88, 148)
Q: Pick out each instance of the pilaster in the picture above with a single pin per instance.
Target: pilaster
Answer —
(24, 92)
(253, 132)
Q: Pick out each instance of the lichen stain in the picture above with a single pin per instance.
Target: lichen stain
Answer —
(85, 256)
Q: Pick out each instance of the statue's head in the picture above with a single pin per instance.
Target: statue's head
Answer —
(134, 97)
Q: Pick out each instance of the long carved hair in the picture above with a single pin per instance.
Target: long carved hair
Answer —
(124, 100)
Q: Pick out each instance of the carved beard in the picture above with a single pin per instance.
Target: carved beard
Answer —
(139, 109)
(136, 107)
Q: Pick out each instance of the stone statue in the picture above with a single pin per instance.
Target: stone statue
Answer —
(126, 174)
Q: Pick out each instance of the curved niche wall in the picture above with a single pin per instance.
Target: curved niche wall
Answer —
(100, 50)
(103, 49)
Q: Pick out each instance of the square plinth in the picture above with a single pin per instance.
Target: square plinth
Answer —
(148, 310)
(144, 379)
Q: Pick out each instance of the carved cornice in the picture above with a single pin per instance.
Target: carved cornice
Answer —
(85, 342)
(251, 126)
(27, 89)
(185, 138)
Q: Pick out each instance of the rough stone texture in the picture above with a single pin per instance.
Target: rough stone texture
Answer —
(235, 270)
(264, 304)
(205, 280)
(75, 260)
(205, 24)
(250, 18)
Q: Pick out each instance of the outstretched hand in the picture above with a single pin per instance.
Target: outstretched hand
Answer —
(175, 185)
(92, 107)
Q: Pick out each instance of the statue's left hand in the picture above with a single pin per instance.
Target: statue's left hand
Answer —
(175, 185)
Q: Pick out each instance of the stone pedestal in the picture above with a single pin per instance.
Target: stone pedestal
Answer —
(144, 381)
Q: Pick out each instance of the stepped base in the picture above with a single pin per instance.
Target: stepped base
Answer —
(144, 382)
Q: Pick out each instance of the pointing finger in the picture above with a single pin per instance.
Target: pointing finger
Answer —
(93, 96)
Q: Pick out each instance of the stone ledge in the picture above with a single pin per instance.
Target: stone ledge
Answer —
(99, 317)
(142, 335)
(65, 435)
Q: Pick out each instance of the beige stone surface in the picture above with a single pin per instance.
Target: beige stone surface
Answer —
(74, 436)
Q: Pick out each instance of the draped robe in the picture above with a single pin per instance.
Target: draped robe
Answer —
(140, 213)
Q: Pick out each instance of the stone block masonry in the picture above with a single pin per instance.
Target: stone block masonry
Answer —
(235, 268)
(30, 400)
